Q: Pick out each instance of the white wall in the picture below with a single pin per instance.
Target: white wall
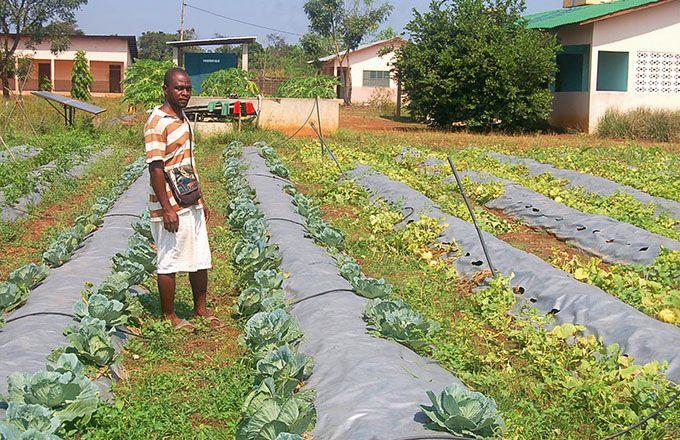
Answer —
(655, 29)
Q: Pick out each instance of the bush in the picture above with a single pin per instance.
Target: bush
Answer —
(641, 123)
(81, 77)
(230, 82)
(475, 62)
(309, 87)
(144, 81)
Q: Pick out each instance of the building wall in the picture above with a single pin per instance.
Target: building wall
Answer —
(100, 52)
(368, 59)
(656, 30)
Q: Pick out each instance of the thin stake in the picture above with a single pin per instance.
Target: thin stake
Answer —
(472, 214)
(330, 152)
(318, 119)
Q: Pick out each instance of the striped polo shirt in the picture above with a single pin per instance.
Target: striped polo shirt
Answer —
(166, 138)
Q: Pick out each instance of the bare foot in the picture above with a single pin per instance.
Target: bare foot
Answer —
(179, 323)
(206, 314)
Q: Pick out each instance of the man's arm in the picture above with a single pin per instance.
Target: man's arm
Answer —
(170, 217)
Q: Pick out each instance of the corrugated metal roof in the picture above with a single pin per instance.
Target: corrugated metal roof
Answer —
(365, 46)
(578, 14)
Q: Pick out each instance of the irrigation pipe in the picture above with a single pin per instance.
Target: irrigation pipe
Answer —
(646, 419)
(281, 219)
(318, 119)
(326, 292)
(122, 215)
(271, 177)
(472, 214)
(296, 131)
(433, 437)
(330, 151)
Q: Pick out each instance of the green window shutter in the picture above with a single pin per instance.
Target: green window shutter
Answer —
(612, 71)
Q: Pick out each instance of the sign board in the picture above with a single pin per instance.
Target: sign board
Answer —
(200, 65)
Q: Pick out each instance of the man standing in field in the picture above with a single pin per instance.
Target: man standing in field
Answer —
(178, 211)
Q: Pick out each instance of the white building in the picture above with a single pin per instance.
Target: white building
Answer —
(370, 71)
(620, 54)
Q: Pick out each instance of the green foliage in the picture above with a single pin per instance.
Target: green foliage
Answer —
(642, 124)
(285, 367)
(152, 44)
(143, 83)
(371, 288)
(230, 83)
(309, 87)
(474, 61)
(11, 297)
(269, 412)
(267, 330)
(28, 276)
(44, 83)
(91, 342)
(463, 413)
(98, 306)
(395, 319)
(81, 77)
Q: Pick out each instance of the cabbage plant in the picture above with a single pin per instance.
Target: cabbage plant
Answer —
(396, 320)
(285, 367)
(371, 288)
(11, 432)
(36, 418)
(349, 268)
(70, 395)
(91, 342)
(268, 413)
(28, 276)
(98, 306)
(463, 413)
(11, 297)
(242, 209)
(267, 330)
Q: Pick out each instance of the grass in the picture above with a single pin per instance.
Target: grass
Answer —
(641, 123)
(185, 386)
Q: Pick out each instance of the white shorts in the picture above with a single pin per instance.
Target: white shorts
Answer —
(186, 250)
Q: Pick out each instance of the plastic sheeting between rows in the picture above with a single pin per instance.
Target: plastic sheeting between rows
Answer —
(593, 184)
(367, 387)
(26, 343)
(547, 288)
(612, 240)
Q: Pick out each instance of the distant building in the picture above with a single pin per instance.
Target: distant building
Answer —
(370, 71)
(620, 54)
(108, 55)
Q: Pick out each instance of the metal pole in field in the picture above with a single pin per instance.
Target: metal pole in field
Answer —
(181, 20)
(472, 214)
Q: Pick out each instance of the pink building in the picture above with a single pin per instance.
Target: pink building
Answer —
(370, 69)
(108, 55)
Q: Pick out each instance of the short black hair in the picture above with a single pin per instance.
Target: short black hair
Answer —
(171, 73)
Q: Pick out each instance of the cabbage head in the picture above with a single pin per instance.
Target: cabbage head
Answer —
(463, 413)
(29, 276)
(99, 306)
(285, 367)
(371, 288)
(91, 342)
(267, 330)
(396, 320)
(11, 297)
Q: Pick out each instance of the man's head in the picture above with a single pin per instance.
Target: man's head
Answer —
(177, 87)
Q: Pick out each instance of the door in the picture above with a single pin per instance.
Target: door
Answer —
(114, 78)
(44, 76)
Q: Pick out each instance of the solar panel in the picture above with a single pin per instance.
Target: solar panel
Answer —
(80, 105)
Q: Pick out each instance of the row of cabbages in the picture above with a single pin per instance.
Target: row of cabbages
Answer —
(275, 408)
(457, 410)
(55, 402)
(15, 291)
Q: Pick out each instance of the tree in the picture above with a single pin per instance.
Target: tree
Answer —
(316, 46)
(35, 20)
(152, 44)
(475, 61)
(346, 23)
(386, 34)
(81, 77)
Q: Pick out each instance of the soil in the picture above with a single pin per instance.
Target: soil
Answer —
(358, 119)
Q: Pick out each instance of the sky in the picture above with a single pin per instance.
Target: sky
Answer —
(132, 17)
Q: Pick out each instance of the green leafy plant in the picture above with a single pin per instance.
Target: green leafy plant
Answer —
(268, 413)
(230, 83)
(463, 413)
(29, 422)
(81, 77)
(267, 330)
(396, 320)
(28, 276)
(11, 297)
(98, 306)
(321, 86)
(371, 288)
(285, 367)
(143, 82)
(91, 342)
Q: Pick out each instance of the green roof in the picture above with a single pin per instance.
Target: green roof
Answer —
(565, 16)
